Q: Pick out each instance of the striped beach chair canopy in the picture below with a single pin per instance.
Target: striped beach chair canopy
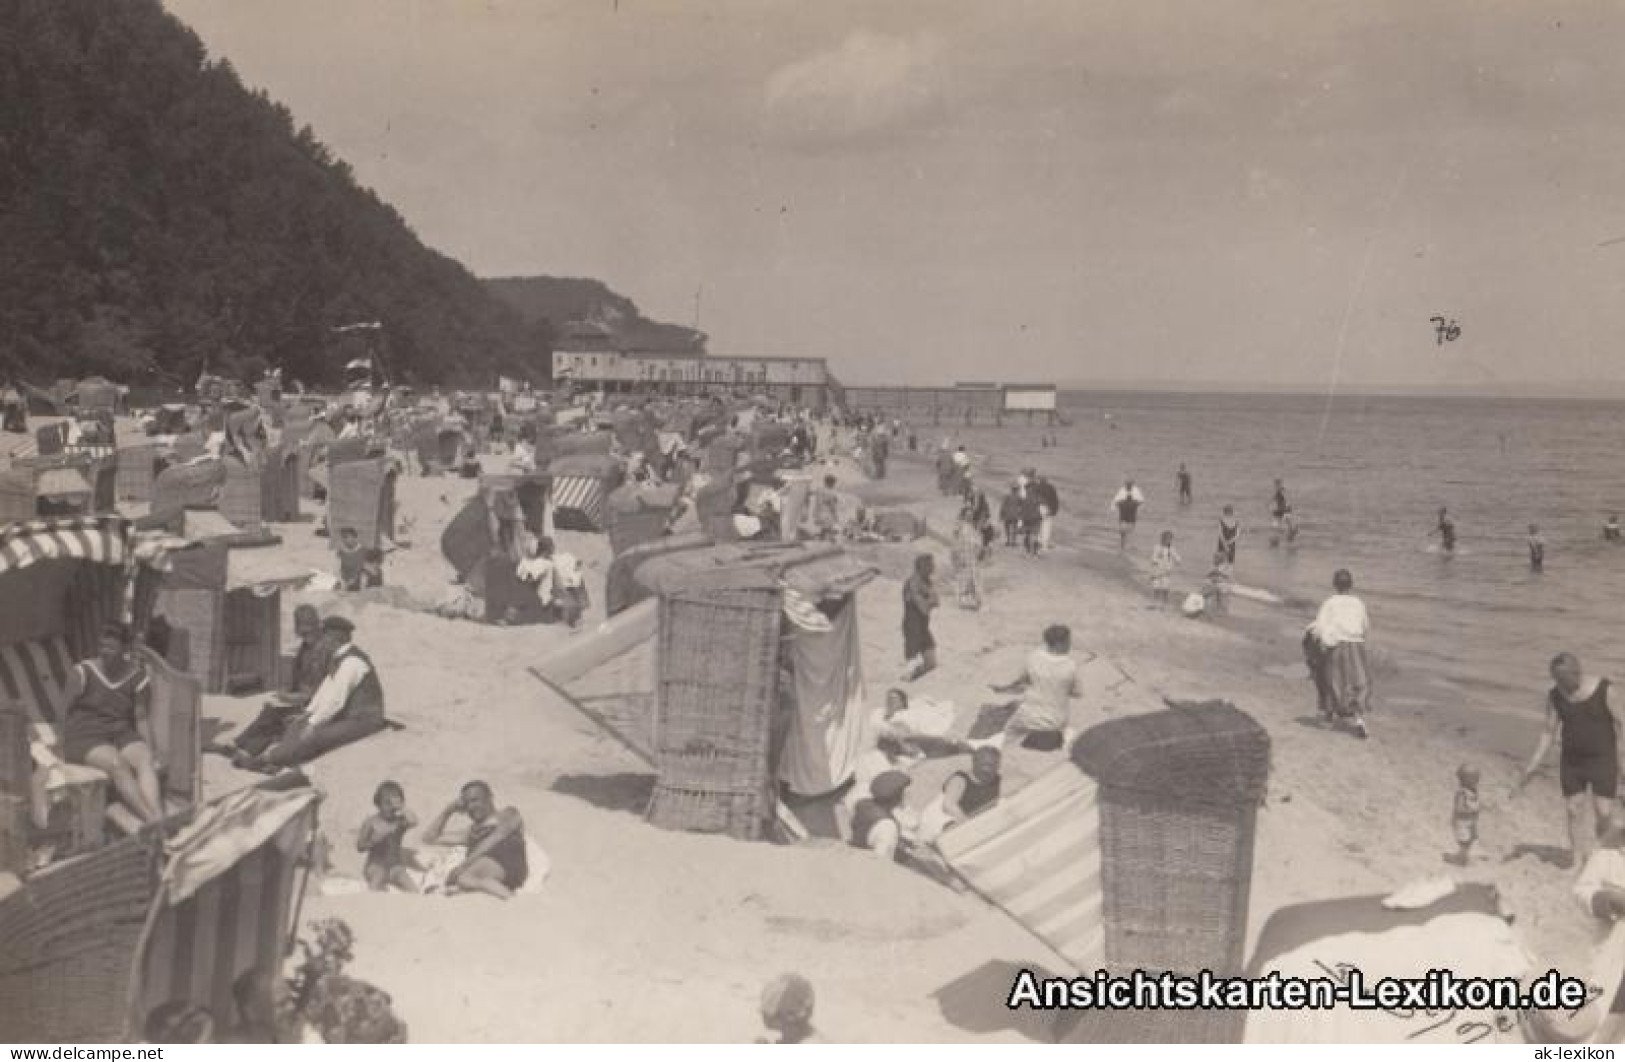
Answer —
(90, 946)
(225, 906)
(1135, 855)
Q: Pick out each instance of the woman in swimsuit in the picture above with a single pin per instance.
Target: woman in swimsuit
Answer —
(495, 863)
(107, 725)
(1587, 719)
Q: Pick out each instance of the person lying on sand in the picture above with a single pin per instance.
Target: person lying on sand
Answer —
(496, 863)
(964, 793)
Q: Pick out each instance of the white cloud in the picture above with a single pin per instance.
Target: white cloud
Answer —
(871, 83)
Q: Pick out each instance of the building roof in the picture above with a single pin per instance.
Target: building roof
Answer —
(652, 355)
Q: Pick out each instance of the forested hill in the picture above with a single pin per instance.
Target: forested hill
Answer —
(559, 301)
(156, 216)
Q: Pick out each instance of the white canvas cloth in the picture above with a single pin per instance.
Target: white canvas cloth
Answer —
(826, 734)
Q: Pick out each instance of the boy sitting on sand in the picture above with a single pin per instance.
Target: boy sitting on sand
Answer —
(359, 568)
(388, 861)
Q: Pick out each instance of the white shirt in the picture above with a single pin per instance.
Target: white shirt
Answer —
(1052, 683)
(538, 570)
(961, 458)
(567, 571)
(883, 838)
(330, 697)
(1342, 618)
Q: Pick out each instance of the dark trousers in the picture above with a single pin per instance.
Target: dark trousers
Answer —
(306, 744)
(267, 728)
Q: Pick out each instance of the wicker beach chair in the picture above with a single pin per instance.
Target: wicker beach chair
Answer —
(67, 944)
(1137, 855)
(361, 495)
(137, 470)
(715, 699)
(241, 497)
(633, 527)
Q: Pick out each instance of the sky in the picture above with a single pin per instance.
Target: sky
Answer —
(1261, 193)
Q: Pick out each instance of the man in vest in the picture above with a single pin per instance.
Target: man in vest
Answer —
(285, 706)
(346, 707)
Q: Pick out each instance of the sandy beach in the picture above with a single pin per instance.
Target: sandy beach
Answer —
(646, 935)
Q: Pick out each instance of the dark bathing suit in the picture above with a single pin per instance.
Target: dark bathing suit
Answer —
(1590, 745)
(1447, 534)
(1228, 533)
(104, 714)
(977, 795)
(509, 853)
(1128, 510)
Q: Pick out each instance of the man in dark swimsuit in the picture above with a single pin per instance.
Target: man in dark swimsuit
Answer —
(496, 863)
(967, 792)
(1127, 503)
(1588, 719)
(1182, 479)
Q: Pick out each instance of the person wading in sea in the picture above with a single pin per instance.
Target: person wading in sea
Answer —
(1446, 530)
(1587, 719)
(1126, 502)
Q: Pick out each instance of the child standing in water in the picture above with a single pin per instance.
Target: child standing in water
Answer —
(1164, 559)
(1464, 812)
(1537, 549)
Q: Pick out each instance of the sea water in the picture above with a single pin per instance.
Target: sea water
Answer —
(1366, 477)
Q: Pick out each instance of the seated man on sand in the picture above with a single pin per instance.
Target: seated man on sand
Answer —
(495, 863)
(1043, 717)
(284, 706)
(346, 707)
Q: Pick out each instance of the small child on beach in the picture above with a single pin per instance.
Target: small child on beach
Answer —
(359, 568)
(570, 589)
(787, 1010)
(1537, 549)
(1216, 592)
(1164, 559)
(388, 862)
(1464, 812)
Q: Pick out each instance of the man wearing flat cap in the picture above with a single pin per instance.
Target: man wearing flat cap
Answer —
(347, 706)
(285, 706)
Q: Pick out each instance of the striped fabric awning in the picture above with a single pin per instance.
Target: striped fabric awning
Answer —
(103, 539)
(583, 494)
(227, 896)
(1036, 855)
